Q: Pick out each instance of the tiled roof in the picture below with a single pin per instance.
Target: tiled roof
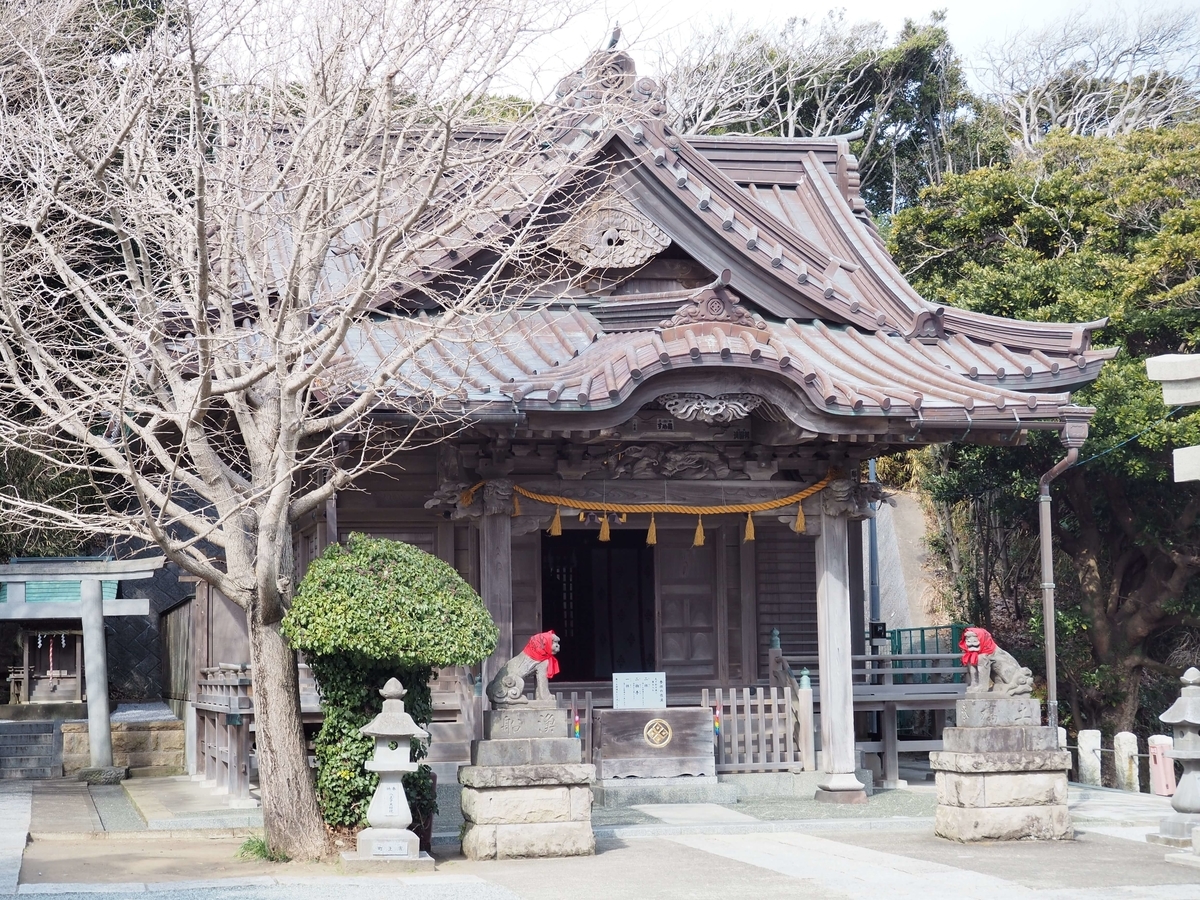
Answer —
(561, 359)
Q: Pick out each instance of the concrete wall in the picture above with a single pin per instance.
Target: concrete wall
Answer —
(153, 746)
(904, 585)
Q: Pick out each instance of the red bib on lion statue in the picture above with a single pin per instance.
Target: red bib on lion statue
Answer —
(541, 649)
(986, 645)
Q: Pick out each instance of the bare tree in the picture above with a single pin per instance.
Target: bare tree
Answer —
(1105, 75)
(204, 216)
(904, 101)
(802, 79)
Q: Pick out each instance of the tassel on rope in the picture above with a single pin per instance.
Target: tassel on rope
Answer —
(749, 536)
(516, 506)
(698, 537)
(604, 535)
(799, 526)
(652, 533)
(556, 524)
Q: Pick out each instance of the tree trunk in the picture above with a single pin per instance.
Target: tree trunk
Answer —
(291, 817)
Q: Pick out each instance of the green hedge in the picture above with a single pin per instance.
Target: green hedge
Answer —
(373, 610)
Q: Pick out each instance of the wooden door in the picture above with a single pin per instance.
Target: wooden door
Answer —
(687, 605)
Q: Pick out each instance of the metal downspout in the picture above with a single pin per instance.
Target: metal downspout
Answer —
(1047, 549)
(873, 548)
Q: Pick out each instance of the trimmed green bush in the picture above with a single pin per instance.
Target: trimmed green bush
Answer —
(387, 600)
(373, 610)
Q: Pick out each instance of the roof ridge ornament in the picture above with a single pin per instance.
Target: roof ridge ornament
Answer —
(714, 305)
(608, 76)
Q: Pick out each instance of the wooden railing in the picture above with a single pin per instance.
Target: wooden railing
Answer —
(803, 734)
(757, 730)
(892, 683)
(579, 723)
(224, 709)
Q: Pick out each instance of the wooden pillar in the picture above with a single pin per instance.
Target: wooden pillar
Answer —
(858, 598)
(495, 569)
(839, 784)
(24, 667)
(891, 754)
(79, 668)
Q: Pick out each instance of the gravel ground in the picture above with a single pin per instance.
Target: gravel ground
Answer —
(882, 805)
(115, 809)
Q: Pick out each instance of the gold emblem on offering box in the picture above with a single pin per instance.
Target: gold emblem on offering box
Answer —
(657, 733)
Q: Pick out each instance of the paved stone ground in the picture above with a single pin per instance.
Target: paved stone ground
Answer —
(765, 847)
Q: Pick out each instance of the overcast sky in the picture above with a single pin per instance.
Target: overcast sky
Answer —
(647, 23)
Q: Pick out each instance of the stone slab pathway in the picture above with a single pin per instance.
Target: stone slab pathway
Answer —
(693, 813)
(16, 801)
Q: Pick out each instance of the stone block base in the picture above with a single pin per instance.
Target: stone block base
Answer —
(136, 745)
(1000, 739)
(1005, 823)
(525, 776)
(542, 839)
(1005, 761)
(388, 843)
(978, 790)
(516, 805)
(527, 811)
(527, 752)
(103, 775)
(983, 712)
(525, 722)
(1175, 830)
(381, 865)
(824, 796)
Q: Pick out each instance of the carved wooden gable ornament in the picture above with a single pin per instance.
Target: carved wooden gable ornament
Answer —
(610, 233)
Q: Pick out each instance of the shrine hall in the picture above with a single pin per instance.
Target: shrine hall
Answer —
(660, 453)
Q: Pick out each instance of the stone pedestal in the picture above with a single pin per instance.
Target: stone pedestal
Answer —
(527, 793)
(1001, 776)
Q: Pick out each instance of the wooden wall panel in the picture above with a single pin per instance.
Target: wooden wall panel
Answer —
(526, 587)
(687, 633)
(786, 569)
(731, 548)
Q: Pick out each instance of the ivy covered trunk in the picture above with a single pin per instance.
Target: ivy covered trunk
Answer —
(349, 700)
(291, 818)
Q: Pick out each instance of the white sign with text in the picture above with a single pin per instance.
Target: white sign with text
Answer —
(639, 690)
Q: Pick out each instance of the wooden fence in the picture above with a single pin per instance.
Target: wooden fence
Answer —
(759, 730)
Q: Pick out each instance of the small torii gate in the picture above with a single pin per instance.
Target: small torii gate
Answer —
(1179, 374)
(91, 610)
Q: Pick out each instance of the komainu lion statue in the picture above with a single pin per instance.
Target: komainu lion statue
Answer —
(507, 689)
(991, 670)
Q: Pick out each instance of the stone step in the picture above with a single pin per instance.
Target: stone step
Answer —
(39, 751)
(450, 731)
(36, 738)
(24, 762)
(454, 751)
(35, 772)
(26, 728)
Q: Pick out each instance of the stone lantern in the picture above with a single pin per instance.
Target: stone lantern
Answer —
(1184, 717)
(388, 838)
